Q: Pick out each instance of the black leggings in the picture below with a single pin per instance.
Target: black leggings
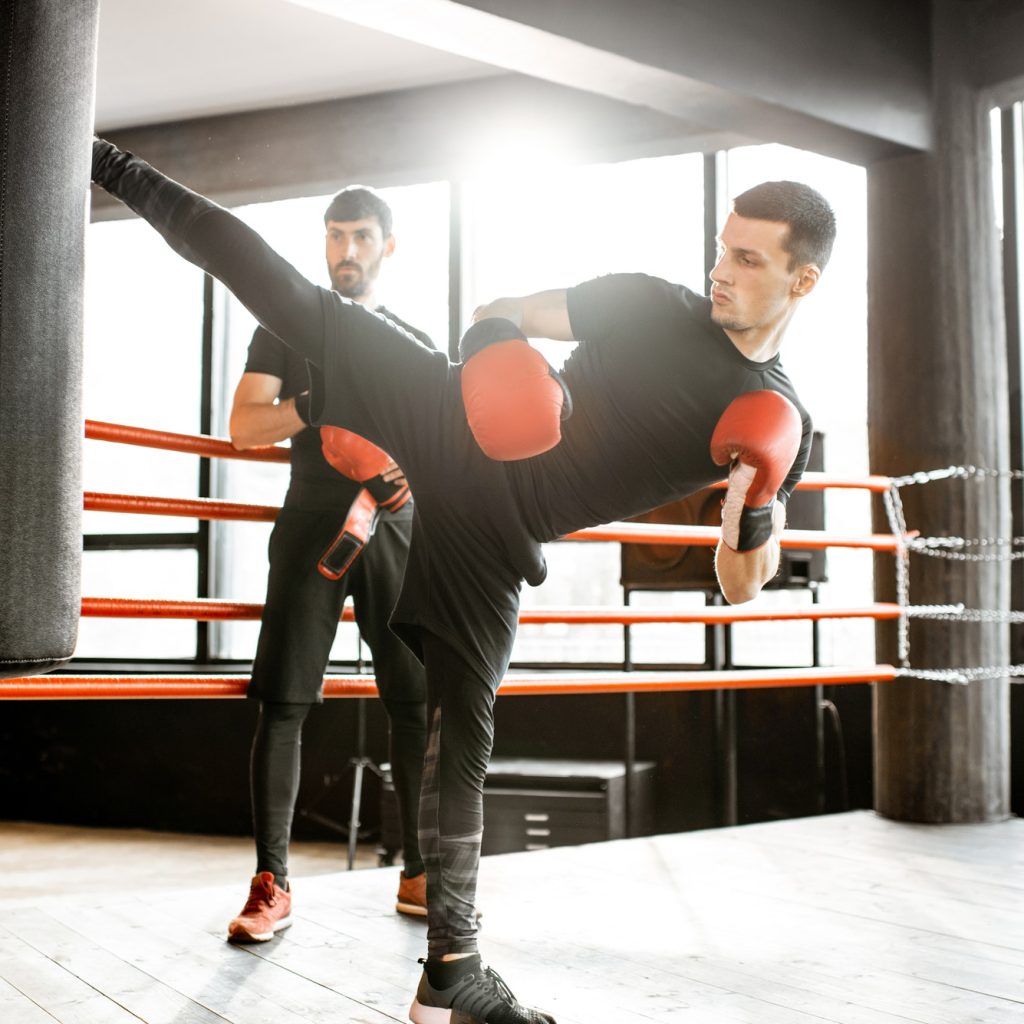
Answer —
(275, 767)
(460, 716)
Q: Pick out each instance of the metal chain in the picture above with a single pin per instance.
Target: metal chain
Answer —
(958, 613)
(961, 542)
(950, 548)
(898, 528)
(957, 473)
(963, 676)
(958, 556)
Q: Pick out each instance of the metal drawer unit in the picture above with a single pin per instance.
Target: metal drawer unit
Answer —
(536, 804)
(532, 804)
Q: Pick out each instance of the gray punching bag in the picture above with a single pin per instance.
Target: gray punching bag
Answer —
(47, 76)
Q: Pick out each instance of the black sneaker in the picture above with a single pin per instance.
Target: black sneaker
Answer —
(479, 998)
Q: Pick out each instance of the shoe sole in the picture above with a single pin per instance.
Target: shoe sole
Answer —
(415, 910)
(420, 1014)
(240, 935)
(412, 909)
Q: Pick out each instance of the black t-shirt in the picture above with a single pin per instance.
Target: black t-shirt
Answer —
(315, 483)
(650, 379)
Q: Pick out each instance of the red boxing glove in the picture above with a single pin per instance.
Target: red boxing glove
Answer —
(352, 537)
(515, 402)
(759, 433)
(361, 460)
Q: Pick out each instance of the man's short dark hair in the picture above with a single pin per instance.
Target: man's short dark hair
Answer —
(357, 202)
(812, 224)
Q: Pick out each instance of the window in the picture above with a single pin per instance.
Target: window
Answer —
(554, 229)
(142, 367)
(549, 229)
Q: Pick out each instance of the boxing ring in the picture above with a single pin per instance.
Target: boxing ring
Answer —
(899, 543)
(766, 922)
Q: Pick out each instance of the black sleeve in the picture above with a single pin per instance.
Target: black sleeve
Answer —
(800, 462)
(618, 305)
(421, 336)
(216, 241)
(267, 354)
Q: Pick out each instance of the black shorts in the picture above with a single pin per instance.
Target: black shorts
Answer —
(302, 610)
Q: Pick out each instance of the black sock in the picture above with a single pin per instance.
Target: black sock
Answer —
(445, 973)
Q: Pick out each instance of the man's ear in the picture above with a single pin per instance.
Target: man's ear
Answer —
(807, 277)
(389, 245)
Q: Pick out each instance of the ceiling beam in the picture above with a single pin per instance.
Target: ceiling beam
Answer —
(433, 133)
(847, 80)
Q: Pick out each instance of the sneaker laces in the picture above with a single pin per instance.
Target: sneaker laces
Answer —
(512, 1011)
(499, 986)
(261, 892)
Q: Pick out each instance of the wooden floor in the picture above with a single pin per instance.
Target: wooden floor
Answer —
(846, 918)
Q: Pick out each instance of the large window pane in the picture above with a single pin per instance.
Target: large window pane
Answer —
(553, 229)
(560, 226)
(142, 367)
(138, 574)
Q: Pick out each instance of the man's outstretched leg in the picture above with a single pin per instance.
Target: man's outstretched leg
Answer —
(455, 986)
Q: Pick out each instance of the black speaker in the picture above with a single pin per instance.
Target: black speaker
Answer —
(692, 567)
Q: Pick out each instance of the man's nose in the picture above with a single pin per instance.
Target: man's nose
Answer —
(718, 271)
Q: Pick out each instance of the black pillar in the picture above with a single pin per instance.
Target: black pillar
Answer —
(938, 387)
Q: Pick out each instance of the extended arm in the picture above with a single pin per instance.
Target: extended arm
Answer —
(257, 417)
(541, 315)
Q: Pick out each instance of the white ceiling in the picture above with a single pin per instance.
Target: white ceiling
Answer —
(167, 61)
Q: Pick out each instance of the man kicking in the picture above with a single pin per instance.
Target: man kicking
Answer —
(662, 377)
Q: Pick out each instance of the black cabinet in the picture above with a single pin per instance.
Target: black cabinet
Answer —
(532, 804)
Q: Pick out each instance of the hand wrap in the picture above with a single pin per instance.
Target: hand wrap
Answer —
(759, 433)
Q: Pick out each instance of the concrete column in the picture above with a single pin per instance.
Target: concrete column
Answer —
(938, 396)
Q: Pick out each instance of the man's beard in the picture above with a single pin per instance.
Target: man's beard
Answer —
(729, 323)
(354, 286)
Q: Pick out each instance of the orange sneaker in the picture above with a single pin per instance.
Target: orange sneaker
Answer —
(267, 910)
(412, 895)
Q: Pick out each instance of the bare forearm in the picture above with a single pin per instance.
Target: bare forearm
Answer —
(258, 423)
(541, 315)
(742, 574)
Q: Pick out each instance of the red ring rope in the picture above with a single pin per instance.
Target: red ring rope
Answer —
(211, 610)
(133, 687)
(191, 444)
(191, 508)
(213, 447)
(625, 533)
